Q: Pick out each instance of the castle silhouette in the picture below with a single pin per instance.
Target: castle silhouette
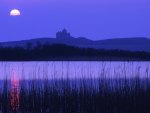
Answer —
(64, 34)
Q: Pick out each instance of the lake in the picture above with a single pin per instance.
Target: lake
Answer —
(74, 86)
(73, 70)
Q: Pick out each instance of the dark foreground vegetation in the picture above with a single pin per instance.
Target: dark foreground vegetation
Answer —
(59, 52)
(77, 96)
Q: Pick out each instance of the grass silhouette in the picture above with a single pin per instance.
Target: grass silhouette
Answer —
(80, 95)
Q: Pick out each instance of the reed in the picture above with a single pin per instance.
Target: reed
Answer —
(79, 95)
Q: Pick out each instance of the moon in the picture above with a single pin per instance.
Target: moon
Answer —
(15, 12)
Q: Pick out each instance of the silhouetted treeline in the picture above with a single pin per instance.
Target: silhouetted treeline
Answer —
(65, 52)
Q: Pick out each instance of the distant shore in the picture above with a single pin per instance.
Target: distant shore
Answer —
(60, 52)
(76, 59)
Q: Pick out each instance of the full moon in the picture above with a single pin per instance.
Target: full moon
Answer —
(15, 12)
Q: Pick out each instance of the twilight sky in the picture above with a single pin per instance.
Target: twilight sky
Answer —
(94, 19)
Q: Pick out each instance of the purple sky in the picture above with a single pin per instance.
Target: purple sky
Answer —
(94, 19)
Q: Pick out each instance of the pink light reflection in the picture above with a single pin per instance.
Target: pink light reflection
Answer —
(14, 92)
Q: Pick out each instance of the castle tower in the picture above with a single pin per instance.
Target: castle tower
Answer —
(63, 34)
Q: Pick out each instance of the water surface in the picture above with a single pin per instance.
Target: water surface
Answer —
(73, 70)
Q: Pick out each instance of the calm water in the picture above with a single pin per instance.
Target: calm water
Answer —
(66, 69)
